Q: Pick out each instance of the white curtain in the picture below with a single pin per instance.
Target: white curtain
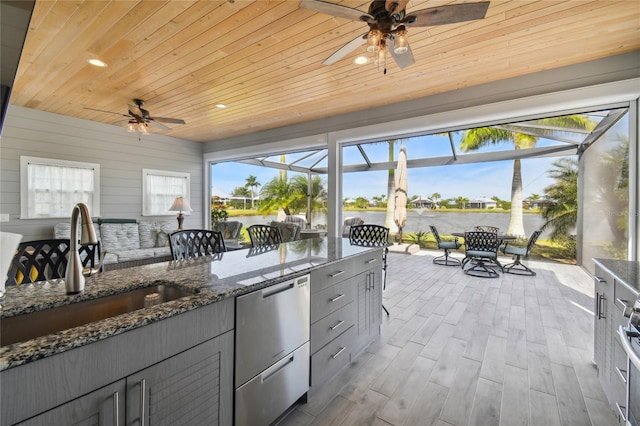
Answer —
(161, 191)
(53, 190)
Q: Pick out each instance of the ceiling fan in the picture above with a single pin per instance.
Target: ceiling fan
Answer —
(138, 118)
(388, 21)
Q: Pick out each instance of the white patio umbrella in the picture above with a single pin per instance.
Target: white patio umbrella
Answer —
(400, 214)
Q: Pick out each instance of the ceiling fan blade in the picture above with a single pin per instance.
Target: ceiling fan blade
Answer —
(404, 59)
(110, 112)
(346, 49)
(168, 120)
(157, 125)
(135, 111)
(449, 14)
(336, 10)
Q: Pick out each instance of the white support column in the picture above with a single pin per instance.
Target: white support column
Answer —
(334, 183)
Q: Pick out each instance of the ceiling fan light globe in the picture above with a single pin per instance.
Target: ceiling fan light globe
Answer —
(400, 50)
(373, 41)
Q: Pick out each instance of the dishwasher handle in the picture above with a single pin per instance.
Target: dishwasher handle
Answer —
(277, 289)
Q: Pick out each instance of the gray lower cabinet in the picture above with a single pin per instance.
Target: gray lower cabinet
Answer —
(346, 304)
(105, 406)
(188, 388)
(175, 371)
(611, 299)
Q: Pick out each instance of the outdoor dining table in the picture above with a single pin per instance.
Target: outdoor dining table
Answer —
(501, 237)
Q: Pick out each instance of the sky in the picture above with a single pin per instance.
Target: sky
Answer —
(467, 180)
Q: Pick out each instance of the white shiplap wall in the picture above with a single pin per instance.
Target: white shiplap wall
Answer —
(120, 155)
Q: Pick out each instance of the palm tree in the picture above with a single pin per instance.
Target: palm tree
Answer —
(252, 182)
(474, 139)
(435, 199)
(276, 194)
(561, 213)
(300, 187)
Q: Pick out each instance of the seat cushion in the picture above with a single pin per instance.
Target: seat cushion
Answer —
(448, 245)
(515, 250)
(136, 254)
(478, 253)
(120, 236)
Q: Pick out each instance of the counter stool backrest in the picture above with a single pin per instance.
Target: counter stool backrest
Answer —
(47, 260)
(264, 235)
(189, 243)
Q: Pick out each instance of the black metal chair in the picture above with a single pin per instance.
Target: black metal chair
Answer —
(47, 260)
(372, 236)
(264, 235)
(189, 243)
(517, 267)
(486, 228)
(447, 246)
(481, 250)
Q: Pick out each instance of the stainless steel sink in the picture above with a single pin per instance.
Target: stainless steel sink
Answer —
(21, 328)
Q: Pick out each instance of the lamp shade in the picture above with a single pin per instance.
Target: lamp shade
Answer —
(180, 205)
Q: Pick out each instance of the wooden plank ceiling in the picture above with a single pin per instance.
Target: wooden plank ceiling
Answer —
(263, 58)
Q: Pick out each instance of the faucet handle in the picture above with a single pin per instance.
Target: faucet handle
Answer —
(87, 272)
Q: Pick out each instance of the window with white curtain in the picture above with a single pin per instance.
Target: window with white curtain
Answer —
(160, 189)
(50, 188)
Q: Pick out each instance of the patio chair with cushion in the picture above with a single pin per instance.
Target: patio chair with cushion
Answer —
(230, 230)
(447, 246)
(481, 251)
(297, 220)
(372, 236)
(264, 235)
(190, 243)
(348, 223)
(520, 252)
(288, 231)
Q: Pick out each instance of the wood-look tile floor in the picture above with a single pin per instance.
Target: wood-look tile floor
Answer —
(460, 350)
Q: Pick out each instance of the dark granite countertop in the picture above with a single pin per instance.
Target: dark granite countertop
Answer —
(625, 271)
(211, 279)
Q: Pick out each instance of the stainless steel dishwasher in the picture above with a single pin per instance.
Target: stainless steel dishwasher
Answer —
(272, 351)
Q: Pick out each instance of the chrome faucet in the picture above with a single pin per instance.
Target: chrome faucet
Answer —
(74, 277)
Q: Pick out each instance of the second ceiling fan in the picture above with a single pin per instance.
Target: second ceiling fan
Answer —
(388, 21)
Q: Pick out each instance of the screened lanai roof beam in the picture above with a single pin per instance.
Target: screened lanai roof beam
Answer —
(548, 127)
(466, 159)
(603, 126)
(304, 157)
(364, 155)
(511, 128)
(453, 148)
(274, 165)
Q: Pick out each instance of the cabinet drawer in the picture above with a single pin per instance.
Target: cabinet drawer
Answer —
(332, 298)
(331, 326)
(619, 373)
(331, 274)
(622, 297)
(369, 260)
(332, 358)
(265, 397)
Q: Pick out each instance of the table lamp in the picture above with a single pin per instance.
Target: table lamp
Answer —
(180, 205)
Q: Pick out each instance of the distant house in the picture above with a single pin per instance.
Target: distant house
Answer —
(529, 203)
(481, 203)
(422, 203)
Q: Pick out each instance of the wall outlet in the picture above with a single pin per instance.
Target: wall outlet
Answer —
(4, 217)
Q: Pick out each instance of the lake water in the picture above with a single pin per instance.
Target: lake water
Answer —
(416, 222)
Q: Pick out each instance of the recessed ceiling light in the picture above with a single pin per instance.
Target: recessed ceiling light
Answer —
(221, 106)
(360, 60)
(97, 62)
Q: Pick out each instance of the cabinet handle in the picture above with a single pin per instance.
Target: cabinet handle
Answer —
(116, 414)
(143, 392)
(336, 274)
(373, 280)
(337, 325)
(622, 374)
(338, 297)
(622, 411)
(342, 348)
(600, 280)
(600, 314)
(597, 307)
(370, 261)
